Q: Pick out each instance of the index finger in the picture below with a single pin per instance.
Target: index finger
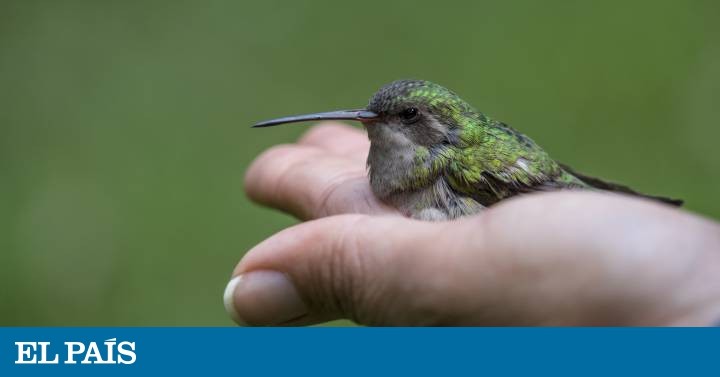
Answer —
(310, 183)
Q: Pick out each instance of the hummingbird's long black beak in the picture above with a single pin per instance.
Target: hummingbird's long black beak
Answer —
(361, 115)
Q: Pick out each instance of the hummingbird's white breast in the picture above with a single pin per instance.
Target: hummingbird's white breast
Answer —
(392, 161)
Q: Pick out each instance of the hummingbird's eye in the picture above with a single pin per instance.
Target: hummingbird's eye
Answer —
(409, 115)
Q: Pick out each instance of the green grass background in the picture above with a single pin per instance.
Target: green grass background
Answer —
(124, 126)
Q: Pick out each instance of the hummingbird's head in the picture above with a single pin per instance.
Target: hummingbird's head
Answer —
(421, 111)
(416, 111)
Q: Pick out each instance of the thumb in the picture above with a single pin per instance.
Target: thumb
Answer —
(373, 270)
(562, 258)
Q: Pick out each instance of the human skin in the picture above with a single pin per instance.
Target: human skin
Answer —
(560, 258)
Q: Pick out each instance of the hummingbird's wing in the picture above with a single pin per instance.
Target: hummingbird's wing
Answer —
(501, 162)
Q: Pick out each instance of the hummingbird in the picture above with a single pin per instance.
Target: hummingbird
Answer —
(434, 157)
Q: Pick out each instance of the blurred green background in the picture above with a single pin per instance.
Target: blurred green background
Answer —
(124, 126)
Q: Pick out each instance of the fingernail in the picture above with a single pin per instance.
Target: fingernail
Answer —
(229, 300)
(262, 298)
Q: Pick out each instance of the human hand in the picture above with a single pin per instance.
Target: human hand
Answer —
(561, 258)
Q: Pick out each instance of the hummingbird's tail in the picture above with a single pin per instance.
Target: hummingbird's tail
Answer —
(615, 187)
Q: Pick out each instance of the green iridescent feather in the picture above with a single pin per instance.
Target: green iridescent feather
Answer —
(486, 160)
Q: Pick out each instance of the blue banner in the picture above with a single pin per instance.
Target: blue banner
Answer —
(358, 351)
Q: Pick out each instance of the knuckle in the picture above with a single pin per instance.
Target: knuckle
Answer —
(359, 277)
(361, 293)
(343, 284)
(349, 272)
(338, 193)
(324, 203)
